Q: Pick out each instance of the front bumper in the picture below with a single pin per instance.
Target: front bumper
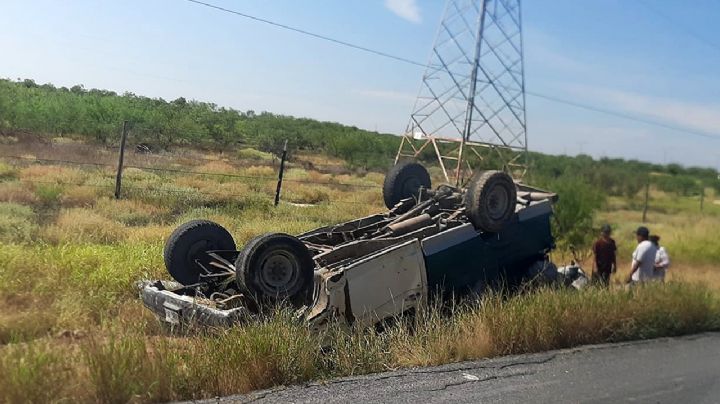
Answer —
(176, 309)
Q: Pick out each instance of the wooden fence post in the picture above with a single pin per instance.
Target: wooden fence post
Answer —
(118, 177)
(702, 196)
(280, 173)
(647, 198)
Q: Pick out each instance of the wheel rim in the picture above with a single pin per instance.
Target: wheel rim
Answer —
(278, 272)
(497, 202)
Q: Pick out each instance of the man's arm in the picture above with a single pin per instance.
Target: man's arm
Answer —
(635, 266)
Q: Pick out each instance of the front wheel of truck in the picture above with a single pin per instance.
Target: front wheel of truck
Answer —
(275, 267)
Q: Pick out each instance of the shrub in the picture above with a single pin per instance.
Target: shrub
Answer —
(48, 194)
(574, 211)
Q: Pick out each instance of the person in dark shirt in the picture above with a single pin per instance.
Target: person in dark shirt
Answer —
(605, 252)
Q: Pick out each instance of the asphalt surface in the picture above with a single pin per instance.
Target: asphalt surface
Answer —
(666, 370)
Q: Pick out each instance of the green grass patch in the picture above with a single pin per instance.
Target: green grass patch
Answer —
(17, 223)
(278, 350)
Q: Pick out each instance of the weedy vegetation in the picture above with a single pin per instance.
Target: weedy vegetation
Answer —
(72, 327)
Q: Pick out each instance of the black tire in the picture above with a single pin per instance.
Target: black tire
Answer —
(490, 200)
(275, 267)
(403, 181)
(188, 244)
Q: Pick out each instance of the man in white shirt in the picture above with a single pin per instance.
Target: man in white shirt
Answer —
(662, 259)
(643, 258)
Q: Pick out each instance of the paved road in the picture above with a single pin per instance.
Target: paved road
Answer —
(667, 370)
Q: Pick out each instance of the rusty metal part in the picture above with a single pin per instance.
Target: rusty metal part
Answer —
(411, 224)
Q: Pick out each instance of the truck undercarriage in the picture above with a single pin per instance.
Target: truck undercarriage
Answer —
(449, 240)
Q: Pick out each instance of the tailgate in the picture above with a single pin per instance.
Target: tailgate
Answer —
(176, 309)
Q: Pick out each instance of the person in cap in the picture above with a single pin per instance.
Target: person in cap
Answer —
(605, 252)
(643, 258)
(662, 259)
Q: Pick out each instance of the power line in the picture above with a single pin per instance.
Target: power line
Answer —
(415, 63)
(308, 33)
(681, 27)
(623, 115)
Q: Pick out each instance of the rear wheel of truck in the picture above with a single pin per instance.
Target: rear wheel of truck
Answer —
(275, 267)
(186, 250)
(490, 200)
(403, 181)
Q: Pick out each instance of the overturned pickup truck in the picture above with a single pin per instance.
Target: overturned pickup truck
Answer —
(443, 241)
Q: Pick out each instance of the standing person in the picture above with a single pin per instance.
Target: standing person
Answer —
(662, 259)
(643, 258)
(605, 252)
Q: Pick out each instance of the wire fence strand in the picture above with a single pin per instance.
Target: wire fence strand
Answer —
(177, 191)
(192, 172)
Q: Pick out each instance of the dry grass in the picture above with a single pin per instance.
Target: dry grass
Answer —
(304, 194)
(137, 175)
(72, 328)
(689, 237)
(130, 212)
(149, 234)
(17, 192)
(84, 226)
(7, 172)
(25, 326)
(79, 197)
(217, 167)
(123, 364)
(52, 174)
(34, 373)
(259, 171)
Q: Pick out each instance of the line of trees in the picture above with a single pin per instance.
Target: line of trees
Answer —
(96, 115)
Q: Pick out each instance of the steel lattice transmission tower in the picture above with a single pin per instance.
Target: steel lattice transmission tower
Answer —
(472, 97)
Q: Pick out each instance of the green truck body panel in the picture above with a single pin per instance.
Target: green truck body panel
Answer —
(490, 257)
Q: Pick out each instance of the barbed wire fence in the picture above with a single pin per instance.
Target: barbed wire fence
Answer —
(180, 165)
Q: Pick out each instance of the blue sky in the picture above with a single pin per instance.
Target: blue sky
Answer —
(614, 54)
